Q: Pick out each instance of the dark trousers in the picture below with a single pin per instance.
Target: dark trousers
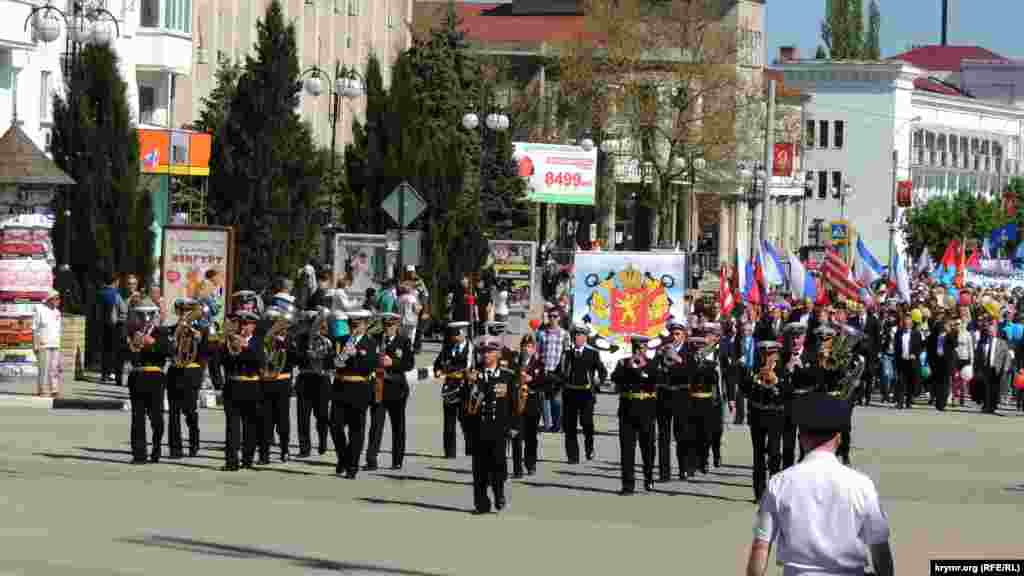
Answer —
(524, 445)
(867, 380)
(232, 429)
(788, 439)
(633, 431)
(940, 378)
(453, 414)
(741, 407)
(843, 450)
(147, 398)
(671, 426)
(182, 400)
(578, 406)
(349, 423)
(907, 374)
(488, 471)
(705, 432)
(313, 394)
(113, 342)
(213, 364)
(253, 434)
(393, 410)
(277, 395)
(765, 438)
(991, 388)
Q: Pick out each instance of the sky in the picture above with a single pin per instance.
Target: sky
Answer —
(992, 24)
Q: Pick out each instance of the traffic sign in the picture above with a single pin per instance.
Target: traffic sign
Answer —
(404, 204)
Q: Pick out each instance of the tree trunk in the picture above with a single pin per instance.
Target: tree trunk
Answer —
(608, 197)
(656, 211)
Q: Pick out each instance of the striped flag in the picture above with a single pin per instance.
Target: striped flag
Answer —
(725, 299)
(839, 276)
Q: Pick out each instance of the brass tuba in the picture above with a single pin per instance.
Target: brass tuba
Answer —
(137, 339)
(232, 336)
(275, 342)
(186, 338)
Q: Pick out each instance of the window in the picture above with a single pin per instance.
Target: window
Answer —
(390, 22)
(45, 96)
(823, 134)
(150, 14)
(822, 185)
(809, 138)
(837, 185)
(809, 187)
(178, 15)
(837, 139)
(353, 7)
(147, 104)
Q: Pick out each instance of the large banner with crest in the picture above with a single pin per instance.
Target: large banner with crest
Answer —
(620, 294)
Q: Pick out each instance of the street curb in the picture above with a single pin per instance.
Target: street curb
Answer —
(88, 404)
(25, 401)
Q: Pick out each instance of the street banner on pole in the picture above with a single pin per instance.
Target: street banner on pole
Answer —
(557, 174)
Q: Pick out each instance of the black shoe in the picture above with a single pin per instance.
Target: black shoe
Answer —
(718, 461)
(175, 455)
(154, 458)
(517, 475)
(590, 454)
(285, 457)
(139, 461)
(682, 475)
(396, 466)
(338, 470)
(264, 460)
(482, 511)
(664, 478)
(499, 503)
(322, 450)
(247, 465)
(574, 461)
(530, 471)
(627, 492)
(649, 485)
(229, 468)
(193, 451)
(304, 454)
(370, 466)
(350, 474)
(704, 469)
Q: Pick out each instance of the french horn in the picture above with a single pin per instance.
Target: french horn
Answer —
(186, 338)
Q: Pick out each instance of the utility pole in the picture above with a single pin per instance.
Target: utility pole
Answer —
(892, 207)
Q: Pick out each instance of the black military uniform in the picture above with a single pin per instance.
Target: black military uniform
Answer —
(792, 371)
(314, 352)
(766, 419)
(673, 368)
(526, 424)
(243, 396)
(706, 397)
(489, 404)
(147, 381)
(395, 395)
(183, 383)
(580, 372)
(451, 364)
(276, 380)
(355, 362)
(637, 409)
(830, 381)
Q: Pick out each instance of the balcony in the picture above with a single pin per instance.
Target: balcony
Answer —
(163, 40)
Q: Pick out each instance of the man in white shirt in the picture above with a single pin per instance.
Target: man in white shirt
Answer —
(823, 517)
(46, 330)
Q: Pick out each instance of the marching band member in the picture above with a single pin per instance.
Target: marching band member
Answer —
(313, 389)
(392, 392)
(796, 359)
(149, 349)
(761, 386)
(451, 364)
(580, 372)
(184, 377)
(637, 409)
(355, 361)
(275, 377)
(706, 397)
(527, 408)
(673, 370)
(488, 403)
(240, 369)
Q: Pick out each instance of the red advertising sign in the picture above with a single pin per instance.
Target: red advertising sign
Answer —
(905, 193)
(782, 165)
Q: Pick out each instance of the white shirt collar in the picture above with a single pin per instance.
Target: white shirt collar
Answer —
(820, 454)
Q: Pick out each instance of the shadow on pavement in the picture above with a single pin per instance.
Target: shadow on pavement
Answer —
(700, 495)
(452, 470)
(401, 477)
(720, 483)
(414, 504)
(586, 474)
(249, 552)
(570, 487)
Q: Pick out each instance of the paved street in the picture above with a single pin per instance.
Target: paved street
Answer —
(953, 485)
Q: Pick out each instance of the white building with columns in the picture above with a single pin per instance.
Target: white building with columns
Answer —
(860, 113)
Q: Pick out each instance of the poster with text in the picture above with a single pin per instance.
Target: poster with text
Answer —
(620, 294)
(514, 263)
(364, 258)
(189, 252)
(557, 174)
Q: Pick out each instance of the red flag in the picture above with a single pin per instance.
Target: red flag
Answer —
(949, 257)
(822, 291)
(838, 275)
(725, 300)
(755, 295)
(961, 264)
(974, 262)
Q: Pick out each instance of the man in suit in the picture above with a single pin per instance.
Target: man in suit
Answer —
(907, 347)
(942, 359)
(355, 362)
(771, 326)
(580, 372)
(396, 358)
(728, 356)
(991, 360)
(673, 371)
(866, 320)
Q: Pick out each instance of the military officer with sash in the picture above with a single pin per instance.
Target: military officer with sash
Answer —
(489, 404)
(637, 409)
(455, 359)
(580, 373)
(762, 388)
(355, 362)
(395, 359)
(673, 372)
(150, 347)
(184, 378)
(315, 358)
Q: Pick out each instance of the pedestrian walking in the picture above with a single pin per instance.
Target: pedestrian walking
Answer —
(113, 313)
(825, 518)
(46, 332)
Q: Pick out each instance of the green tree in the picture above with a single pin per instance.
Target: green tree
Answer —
(872, 40)
(95, 141)
(265, 171)
(964, 216)
(843, 30)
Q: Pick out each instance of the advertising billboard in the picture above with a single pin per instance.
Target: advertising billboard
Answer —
(557, 174)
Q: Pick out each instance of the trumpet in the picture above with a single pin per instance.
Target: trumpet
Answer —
(137, 341)
(233, 341)
(670, 355)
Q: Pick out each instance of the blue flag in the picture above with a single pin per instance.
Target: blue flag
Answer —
(1000, 236)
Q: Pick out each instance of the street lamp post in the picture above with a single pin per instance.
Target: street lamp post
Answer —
(345, 83)
(753, 196)
(808, 190)
(845, 194)
(895, 180)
